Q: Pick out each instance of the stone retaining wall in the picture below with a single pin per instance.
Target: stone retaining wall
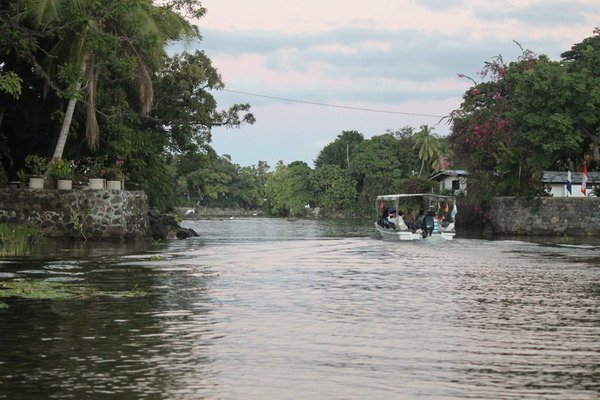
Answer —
(573, 216)
(95, 214)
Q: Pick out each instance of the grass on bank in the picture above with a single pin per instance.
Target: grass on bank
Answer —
(18, 240)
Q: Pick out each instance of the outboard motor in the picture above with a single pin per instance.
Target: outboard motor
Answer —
(428, 224)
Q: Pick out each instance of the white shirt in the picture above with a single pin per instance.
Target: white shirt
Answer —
(400, 225)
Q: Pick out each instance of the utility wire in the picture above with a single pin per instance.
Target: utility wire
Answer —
(333, 105)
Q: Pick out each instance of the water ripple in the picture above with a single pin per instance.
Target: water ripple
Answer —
(252, 313)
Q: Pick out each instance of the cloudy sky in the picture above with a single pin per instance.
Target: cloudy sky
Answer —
(399, 57)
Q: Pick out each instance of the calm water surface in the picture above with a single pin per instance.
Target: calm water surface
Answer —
(275, 309)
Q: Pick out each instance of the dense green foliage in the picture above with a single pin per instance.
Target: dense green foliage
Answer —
(333, 187)
(349, 172)
(528, 116)
(107, 60)
(341, 150)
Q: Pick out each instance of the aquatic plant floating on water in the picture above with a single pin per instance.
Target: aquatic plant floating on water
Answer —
(58, 291)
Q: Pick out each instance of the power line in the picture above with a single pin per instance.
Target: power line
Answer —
(333, 105)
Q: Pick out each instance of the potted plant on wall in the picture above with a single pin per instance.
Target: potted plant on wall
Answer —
(115, 175)
(62, 171)
(23, 177)
(37, 165)
(95, 171)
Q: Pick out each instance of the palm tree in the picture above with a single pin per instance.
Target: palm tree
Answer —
(427, 143)
(91, 30)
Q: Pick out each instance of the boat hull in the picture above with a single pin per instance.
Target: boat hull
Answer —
(395, 236)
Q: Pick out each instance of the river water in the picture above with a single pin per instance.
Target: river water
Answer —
(276, 309)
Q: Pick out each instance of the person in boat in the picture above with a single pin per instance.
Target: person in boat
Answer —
(382, 221)
(386, 212)
(409, 218)
(400, 224)
(428, 223)
(418, 223)
(391, 219)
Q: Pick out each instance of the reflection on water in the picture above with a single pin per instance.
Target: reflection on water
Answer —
(259, 308)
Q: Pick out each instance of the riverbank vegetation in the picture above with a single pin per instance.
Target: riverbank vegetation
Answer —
(523, 117)
(92, 81)
(348, 174)
(18, 240)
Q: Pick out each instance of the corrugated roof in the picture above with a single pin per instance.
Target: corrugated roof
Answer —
(561, 177)
(448, 172)
(549, 176)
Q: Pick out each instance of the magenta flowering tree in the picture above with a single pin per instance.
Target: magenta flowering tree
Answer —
(530, 115)
(484, 135)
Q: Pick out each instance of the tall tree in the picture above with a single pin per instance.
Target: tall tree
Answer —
(89, 34)
(377, 168)
(427, 144)
(333, 187)
(185, 108)
(584, 59)
(288, 189)
(341, 150)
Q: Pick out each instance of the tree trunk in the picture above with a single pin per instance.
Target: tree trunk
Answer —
(66, 125)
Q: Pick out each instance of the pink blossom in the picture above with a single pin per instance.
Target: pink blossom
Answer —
(475, 92)
(461, 75)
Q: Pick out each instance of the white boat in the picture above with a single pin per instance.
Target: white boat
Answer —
(425, 225)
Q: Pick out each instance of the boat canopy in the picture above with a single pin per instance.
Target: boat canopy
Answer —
(429, 196)
(414, 201)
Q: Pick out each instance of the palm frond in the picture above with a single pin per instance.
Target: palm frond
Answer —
(43, 12)
(145, 88)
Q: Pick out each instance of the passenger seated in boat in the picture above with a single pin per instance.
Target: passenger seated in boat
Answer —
(391, 219)
(400, 224)
(449, 226)
(383, 220)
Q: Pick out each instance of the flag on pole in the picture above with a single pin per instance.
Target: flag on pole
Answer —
(454, 211)
(584, 179)
(569, 184)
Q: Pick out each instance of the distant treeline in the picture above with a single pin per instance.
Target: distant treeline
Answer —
(348, 174)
